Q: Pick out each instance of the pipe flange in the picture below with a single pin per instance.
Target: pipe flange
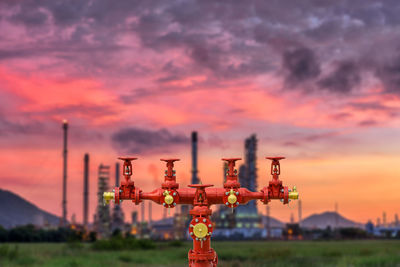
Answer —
(200, 228)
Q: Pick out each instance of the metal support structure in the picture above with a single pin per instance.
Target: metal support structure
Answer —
(201, 197)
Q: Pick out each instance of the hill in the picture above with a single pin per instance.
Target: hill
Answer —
(274, 223)
(15, 210)
(328, 218)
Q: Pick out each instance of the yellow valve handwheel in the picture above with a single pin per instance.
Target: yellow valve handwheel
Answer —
(200, 230)
(107, 197)
(294, 194)
(232, 198)
(168, 198)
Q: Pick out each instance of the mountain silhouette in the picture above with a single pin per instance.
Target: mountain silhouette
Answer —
(15, 210)
(274, 223)
(328, 218)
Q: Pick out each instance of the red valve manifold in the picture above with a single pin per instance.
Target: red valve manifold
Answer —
(202, 197)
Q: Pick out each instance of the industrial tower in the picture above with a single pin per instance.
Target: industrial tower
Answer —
(117, 215)
(182, 219)
(103, 211)
(243, 221)
(247, 217)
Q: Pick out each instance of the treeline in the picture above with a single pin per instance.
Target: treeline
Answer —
(344, 233)
(29, 233)
(341, 233)
(73, 238)
(118, 242)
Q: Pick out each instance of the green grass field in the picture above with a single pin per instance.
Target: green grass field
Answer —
(307, 253)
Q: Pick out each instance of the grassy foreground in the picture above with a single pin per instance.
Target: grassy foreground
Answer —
(233, 254)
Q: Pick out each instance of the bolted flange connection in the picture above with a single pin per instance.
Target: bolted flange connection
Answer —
(200, 228)
(170, 198)
(231, 198)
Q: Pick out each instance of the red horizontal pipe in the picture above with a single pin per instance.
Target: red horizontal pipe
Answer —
(214, 195)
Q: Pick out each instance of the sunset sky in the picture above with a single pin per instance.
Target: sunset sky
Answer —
(317, 81)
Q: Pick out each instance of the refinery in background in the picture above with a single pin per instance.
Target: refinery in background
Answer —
(244, 222)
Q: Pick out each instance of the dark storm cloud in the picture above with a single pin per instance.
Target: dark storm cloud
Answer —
(9, 127)
(291, 143)
(300, 65)
(135, 95)
(389, 74)
(325, 31)
(32, 17)
(59, 50)
(16, 53)
(367, 123)
(341, 116)
(301, 139)
(376, 107)
(32, 130)
(138, 140)
(204, 56)
(374, 13)
(67, 12)
(320, 136)
(223, 40)
(343, 79)
(81, 110)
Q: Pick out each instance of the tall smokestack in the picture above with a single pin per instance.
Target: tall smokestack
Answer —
(117, 174)
(195, 179)
(336, 215)
(268, 222)
(150, 214)
(142, 211)
(85, 190)
(65, 152)
(384, 219)
(300, 213)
